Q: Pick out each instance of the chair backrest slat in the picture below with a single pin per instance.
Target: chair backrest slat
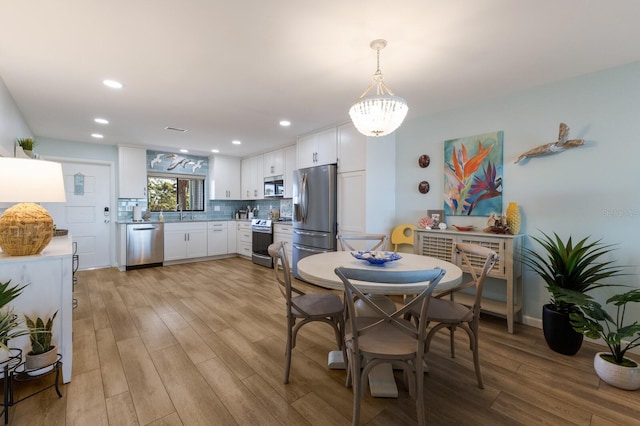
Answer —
(352, 292)
(367, 242)
(465, 251)
(283, 276)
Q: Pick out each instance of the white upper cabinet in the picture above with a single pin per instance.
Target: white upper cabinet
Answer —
(366, 197)
(352, 149)
(132, 172)
(289, 167)
(317, 149)
(252, 187)
(224, 178)
(273, 163)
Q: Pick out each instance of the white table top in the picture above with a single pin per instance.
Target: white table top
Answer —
(320, 268)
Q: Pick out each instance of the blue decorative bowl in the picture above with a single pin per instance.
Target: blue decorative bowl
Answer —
(370, 257)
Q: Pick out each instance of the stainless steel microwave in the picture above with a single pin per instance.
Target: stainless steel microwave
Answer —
(273, 187)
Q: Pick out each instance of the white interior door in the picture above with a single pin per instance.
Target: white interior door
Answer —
(87, 212)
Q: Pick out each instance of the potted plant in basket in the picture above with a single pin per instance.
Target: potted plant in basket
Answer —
(42, 353)
(569, 266)
(594, 322)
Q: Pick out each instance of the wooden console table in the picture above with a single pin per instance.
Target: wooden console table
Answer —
(439, 243)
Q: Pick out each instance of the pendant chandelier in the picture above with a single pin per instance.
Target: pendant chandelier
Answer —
(382, 113)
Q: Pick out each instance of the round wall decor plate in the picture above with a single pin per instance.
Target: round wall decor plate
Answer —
(424, 161)
(423, 187)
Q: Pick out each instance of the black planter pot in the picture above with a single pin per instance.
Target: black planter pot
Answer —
(558, 333)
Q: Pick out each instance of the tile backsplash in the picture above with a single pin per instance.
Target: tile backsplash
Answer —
(226, 209)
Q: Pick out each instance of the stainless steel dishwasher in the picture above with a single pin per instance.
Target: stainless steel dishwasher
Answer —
(145, 245)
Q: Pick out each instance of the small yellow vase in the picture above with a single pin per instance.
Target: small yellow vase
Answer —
(514, 221)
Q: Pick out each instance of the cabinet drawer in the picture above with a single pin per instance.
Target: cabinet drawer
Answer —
(245, 237)
(244, 249)
(212, 226)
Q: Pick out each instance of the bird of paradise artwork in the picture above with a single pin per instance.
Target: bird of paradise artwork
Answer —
(473, 175)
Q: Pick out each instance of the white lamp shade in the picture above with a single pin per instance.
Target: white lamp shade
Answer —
(28, 180)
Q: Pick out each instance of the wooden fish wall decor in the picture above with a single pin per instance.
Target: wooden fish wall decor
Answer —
(562, 144)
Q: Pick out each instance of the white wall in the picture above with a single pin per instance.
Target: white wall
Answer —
(12, 124)
(588, 190)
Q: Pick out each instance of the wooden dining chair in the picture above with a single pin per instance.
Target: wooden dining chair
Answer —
(362, 242)
(387, 337)
(322, 307)
(447, 313)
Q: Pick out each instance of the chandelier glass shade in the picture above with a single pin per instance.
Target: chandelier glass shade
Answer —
(382, 113)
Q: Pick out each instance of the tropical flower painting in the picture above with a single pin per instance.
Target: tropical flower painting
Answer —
(473, 175)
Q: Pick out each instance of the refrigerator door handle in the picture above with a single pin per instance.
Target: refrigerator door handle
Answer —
(310, 250)
(313, 234)
(304, 197)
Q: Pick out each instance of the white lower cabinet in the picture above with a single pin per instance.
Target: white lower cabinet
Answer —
(185, 240)
(232, 239)
(217, 238)
(284, 232)
(244, 239)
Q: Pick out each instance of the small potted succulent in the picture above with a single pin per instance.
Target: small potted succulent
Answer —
(595, 322)
(27, 145)
(42, 353)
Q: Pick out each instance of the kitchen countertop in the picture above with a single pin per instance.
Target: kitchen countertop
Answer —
(131, 222)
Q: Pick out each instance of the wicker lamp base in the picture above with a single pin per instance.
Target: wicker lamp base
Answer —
(25, 229)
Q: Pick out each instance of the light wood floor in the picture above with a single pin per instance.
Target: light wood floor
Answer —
(202, 344)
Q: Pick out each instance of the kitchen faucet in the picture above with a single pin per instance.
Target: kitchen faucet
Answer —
(179, 208)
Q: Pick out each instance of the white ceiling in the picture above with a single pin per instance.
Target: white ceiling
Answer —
(232, 69)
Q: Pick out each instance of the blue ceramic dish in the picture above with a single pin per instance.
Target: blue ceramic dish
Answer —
(371, 258)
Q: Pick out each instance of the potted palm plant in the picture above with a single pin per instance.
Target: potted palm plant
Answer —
(593, 321)
(42, 353)
(578, 267)
(9, 321)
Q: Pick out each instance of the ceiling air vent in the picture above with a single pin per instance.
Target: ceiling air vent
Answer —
(175, 129)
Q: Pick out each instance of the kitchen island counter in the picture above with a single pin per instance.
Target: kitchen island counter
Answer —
(49, 280)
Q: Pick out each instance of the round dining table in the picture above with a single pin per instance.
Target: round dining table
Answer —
(319, 269)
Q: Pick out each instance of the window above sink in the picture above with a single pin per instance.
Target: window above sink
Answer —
(170, 192)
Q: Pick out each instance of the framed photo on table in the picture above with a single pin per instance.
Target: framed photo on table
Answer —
(437, 216)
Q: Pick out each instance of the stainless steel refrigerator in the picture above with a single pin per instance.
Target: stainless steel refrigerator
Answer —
(314, 212)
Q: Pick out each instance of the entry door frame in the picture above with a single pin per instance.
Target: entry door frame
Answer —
(112, 196)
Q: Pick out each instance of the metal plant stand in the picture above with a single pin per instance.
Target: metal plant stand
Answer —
(14, 371)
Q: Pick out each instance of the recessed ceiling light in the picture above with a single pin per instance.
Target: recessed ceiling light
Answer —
(285, 123)
(113, 84)
(215, 151)
(236, 142)
(184, 150)
(97, 135)
(101, 120)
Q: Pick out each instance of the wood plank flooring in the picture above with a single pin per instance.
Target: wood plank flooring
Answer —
(203, 344)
